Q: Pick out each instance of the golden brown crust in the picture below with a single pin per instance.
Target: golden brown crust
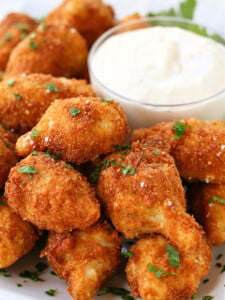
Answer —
(56, 197)
(136, 203)
(17, 237)
(13, 29)
(199, 153)
(207, 211)
(56, 50)
(129, 23)
(81, 137)
(152, 250)
(35, 97)
(85, 259)
(90, 17)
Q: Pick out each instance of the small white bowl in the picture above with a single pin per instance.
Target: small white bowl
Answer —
(142, 114)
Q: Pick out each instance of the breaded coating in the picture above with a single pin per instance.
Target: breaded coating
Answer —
(152, 276)
(199, 153)
(13, 29)
(85, 259)
(138, 193)
(90, 17)
(17, 237)
(51, 194)
(207, 203)
(79, 128)
(2, 74)
(8, 156)
(23, 100)
(56, 50)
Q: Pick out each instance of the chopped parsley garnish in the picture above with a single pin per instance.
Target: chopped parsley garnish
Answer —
(156, 152)
(122, 149)
(106, 100)
(223, 269)
(180, 129)
(53, 273)
(159, 272)
(21, 27)
(33, 45)
(205, 280)
(128, 170)
(19, 285)
(51, 292)
(173, 255)
(193, 296)
(74, 111)
(17, 96)
(34, 133)
(2, 203)
(7, 37)
(69, 166)
(27, 170)
(34, 153)
(124, 294)
(48, 154)
(41, 266)
(23, 35)
(32, 275)
(219, 256)
(128, 254)
(207, 298)
(4, 273)
(52, 88)
(219, 200)
(7, 144)
(219, 265)
(11, 82)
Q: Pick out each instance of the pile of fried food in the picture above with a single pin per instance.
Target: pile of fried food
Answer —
(63, 168)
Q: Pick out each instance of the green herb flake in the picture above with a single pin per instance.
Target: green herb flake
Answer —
(53, 273)
(2, 203)
(156, 152)
(106, 100)
(51, 292)
(219, 200)
(52, 88)
(153, 269)
(223, 269)
(219, 256)
(74, 111)
(11, 82)
(33, 45)
(205, 280)
(122, 149)
(7, 37)
(19, 285)
(48, 154)
(27, 170)
(7, 144)
(124, 294)
(17, 96)
(128, 170)
(218, 265)
(180, 129)
(69, 166)
(23, 36)
(4, 273)
(34, 133)
(22, 27)
(32, 275)
(207, 298)
(193, 296)
(128, 254)
(173, 255)
(34, 153)
(41, 266)
(187, 9)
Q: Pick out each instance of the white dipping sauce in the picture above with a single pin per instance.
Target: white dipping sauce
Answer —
(160, 66)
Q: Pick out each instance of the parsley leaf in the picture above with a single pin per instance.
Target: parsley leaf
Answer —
(2, 203)
(159, 272)
(187, 9)
(34, 153)
(4, 273)
(69, 166)
(11, 82)
(180, 129)
(128, 170)
(128, 254)
(156, 152)
(34, 276)
(124, 294)
(173, 255)
(17, 96)
(106, 100)
(33, 45)
(52, 88)
(41, 266)
(74, 111)
(219, 200)
(34, 133)
(27, 170)
(207, 298)
(219, 256)
(21, 27)
(51, 292)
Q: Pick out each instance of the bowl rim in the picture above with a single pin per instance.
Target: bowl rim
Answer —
(114, 29)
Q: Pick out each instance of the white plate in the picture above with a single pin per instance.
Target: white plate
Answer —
(36, 290)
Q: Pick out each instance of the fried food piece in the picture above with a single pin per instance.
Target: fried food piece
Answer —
(51, 194)
(79, 128)
(17, 237)
(199, 152)
(139, 194)
(56, 50)
(130, 24)
(90, 17)
(35, 93)
(208, 209)
(85, 259)
(13, 29)
(150, 252)
(2, 74)
(8, 156)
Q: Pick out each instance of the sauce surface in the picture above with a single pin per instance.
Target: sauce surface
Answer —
(161, 65)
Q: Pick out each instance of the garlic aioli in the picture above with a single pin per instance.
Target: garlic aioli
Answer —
(161, 65)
